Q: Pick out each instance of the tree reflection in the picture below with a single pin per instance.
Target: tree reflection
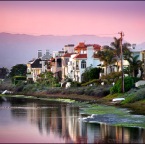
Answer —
(62, 121)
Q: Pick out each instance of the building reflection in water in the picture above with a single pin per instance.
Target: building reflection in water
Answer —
(63, 121)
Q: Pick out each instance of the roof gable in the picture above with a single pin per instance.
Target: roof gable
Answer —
(36, 64)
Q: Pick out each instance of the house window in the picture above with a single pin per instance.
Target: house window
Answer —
(83, 64)
(59, 64)
(77, 64)
(66, 61)
(112, 69)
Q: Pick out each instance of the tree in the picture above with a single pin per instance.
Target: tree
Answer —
(18, 70)
(107, 56)
(3, 72)
(91, 73)
(117, 88)
(47, 79)
(117, 50)
(134, 65)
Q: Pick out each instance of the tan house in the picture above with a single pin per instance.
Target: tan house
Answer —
(37, 66)
(34, 68)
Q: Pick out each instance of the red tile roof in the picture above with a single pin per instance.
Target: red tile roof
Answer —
(96, 46)
(81, 56)
(80, 46)
(84, 46)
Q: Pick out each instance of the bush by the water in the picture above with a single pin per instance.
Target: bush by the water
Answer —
(134, 95)
(6, 87)
(128, 84)
(98, 91)
(36, 88)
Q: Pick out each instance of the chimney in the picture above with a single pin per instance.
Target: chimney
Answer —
(39, 53)
(90, 51)
(47, 52)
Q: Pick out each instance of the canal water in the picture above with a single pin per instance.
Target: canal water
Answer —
(36, 121)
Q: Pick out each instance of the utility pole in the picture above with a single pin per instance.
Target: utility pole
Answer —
(121, 38)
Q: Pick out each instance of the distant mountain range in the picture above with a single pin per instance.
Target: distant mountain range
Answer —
(20, 48)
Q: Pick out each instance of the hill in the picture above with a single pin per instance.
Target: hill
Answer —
(20, 48)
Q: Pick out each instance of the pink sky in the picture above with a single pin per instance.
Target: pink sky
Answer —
(74, 18)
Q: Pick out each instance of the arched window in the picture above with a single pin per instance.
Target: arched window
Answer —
(83, 64)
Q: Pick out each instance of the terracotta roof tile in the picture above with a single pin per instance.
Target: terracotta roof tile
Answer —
(84, 46)
(81, 56)
(81, 46)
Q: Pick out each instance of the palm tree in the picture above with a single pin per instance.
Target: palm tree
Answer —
(107, 56)
(134, 64)
(117, 50)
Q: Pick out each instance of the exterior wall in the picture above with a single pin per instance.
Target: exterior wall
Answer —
(70, 67)
(29, 71)
(28, 68)
(35, 73)
(90, 52)
(69, 48)
(75, 72)
(43, 66)
(56, 68)
(81, 70)
(64, 67)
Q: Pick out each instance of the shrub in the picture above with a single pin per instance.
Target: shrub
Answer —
(75, 84)
(7, 87)
(117, 88)
(111, 77)
(93, 82)
(80, 91)
(136, 96)
(57, 85)
(91, 73)
(16, 79)
(136, 79)
(29, 88)
(55, 90)
(19, 86)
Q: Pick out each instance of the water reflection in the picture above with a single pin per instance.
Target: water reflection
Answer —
(60, 123)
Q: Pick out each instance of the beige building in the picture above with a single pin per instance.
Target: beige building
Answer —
(37, 66)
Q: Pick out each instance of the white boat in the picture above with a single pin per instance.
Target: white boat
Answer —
(118, 99)
(4, 91)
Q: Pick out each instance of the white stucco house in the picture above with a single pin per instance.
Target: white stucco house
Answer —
(81, 59)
